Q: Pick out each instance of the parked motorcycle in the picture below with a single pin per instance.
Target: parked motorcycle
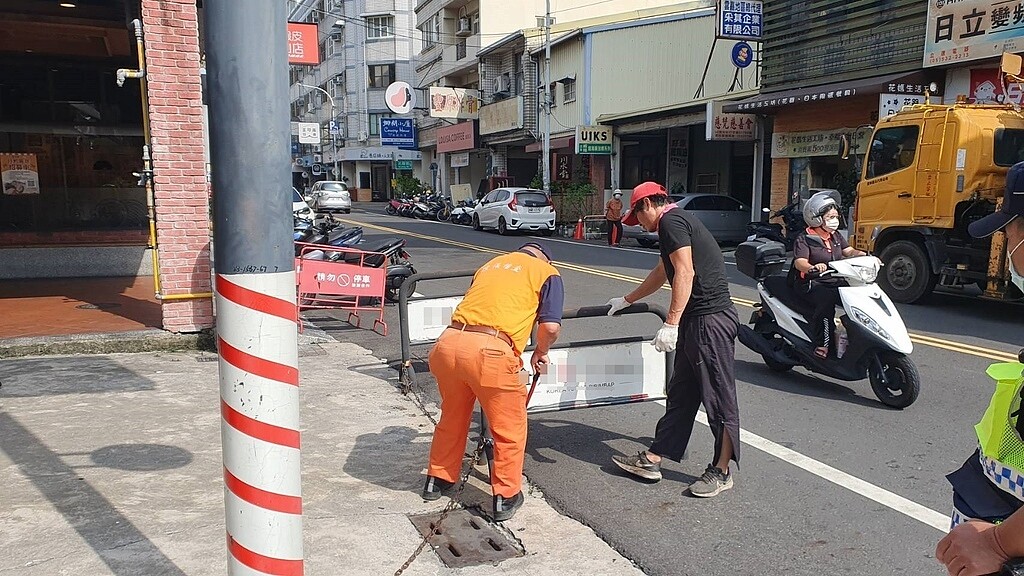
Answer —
(326, 232)
(389, 252)
(392, 207)
(871, 338)
(786, 233)
(463, 212)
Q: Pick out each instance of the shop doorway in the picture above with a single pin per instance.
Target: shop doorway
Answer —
(380, 180)
(643, 158)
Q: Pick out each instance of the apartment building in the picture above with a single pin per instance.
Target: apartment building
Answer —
(364, 45)
(454, 32)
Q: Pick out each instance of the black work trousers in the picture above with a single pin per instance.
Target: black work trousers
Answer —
(824, 298)
(614, 228)
(703, 374)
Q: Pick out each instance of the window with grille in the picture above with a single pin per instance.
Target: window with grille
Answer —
(380, 27)
(381, 75)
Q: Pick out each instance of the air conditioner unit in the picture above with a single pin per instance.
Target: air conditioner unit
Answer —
(338, 36)
(502, 84)
(363, 136)
(465, 28)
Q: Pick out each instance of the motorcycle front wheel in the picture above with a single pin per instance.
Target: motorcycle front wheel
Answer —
(902, 381)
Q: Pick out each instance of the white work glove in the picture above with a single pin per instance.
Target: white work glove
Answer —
(666, 338)
(617, 304)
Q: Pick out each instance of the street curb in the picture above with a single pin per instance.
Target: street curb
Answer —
(107, 343)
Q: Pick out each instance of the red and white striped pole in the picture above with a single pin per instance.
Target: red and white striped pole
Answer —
(250, 141)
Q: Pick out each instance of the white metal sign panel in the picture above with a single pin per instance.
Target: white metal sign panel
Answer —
(602, 374)
(309, 133)
(428, 318)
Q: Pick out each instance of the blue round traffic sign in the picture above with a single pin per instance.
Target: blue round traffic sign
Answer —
(742, 54)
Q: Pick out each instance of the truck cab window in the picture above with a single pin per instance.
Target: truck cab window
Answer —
(1008, 146)
(892, 149)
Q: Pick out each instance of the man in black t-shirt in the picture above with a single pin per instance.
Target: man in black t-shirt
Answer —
(703, 317)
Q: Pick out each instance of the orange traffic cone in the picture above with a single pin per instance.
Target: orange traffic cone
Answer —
(578, 235)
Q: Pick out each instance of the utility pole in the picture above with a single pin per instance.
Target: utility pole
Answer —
(334, 141)
(547, 97)
(257, 339)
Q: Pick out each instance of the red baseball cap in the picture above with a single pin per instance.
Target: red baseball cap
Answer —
(645, 190)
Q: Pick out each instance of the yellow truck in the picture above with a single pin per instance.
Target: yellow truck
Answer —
(929, 172)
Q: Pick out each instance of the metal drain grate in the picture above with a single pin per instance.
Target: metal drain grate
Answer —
(466, 539)
(98, 306)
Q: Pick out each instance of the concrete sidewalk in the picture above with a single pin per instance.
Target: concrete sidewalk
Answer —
(112, 465)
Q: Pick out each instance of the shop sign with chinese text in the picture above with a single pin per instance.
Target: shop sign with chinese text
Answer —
(722, 126)
(309, 133)
(740, 19)
(303, 45)
(454, 103)
(593, 139)
(965, 30)
(20, 174)
(890, 104)
(818, 143)
(400, 132)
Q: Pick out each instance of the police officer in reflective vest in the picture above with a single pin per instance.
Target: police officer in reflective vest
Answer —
(988, 490)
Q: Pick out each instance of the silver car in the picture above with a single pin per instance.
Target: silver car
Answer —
(330, 196)
(725, 217)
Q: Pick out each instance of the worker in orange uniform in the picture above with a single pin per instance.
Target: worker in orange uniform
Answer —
(478, 357)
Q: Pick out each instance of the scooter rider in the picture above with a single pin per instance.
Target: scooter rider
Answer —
(988, 490)
(818, 245)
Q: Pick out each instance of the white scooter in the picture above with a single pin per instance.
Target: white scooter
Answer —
(871, 339)
(463, 213)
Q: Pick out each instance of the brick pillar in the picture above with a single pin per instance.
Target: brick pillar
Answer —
(176, 122)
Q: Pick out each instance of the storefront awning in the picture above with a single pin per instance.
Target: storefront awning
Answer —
(568, 142)
(911, 83)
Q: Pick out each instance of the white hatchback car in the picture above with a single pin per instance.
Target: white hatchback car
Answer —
(507, 209)
(331, 195)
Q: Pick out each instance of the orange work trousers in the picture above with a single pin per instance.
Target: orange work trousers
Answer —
(471, 366)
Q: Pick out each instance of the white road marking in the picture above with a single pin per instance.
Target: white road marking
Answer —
(842, 479)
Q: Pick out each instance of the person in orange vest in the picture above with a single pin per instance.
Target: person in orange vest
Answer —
(613, 218)
(479, 357)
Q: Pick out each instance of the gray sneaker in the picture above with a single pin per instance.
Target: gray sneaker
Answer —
(639, 465)
(712, 483)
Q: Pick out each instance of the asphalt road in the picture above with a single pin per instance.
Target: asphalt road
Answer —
(831, 481)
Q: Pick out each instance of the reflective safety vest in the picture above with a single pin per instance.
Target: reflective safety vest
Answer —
(1001, 430)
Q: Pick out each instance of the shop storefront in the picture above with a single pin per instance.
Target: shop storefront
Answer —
(75, 136)
(504, 132)
(808, 123)
(971, 55)
(73, 130)
(675, 149)
(464, 164)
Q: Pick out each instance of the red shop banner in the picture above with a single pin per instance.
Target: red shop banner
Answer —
(303, 45)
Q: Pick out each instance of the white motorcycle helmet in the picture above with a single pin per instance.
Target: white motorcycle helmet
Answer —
(816, 206)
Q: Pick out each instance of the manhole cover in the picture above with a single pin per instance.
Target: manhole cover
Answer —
(466, 539)
(100, 306)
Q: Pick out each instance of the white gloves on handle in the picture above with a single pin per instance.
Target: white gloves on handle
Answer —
(617, 304)
(666, 338)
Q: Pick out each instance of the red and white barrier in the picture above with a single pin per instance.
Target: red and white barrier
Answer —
(257, 341)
